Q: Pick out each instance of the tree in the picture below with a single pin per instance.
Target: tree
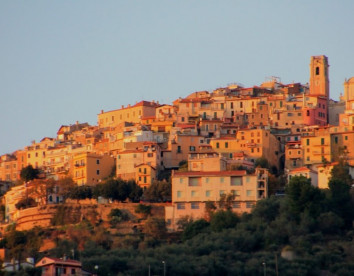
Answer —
(29, 173)
(16, 243)
(303, 196)
(79, 192)
(158, 191)
(194, 228)
(155, 227)
(222, 219)
(262, 162)
(225, 201)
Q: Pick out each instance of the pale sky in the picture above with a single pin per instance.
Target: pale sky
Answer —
(64, 61)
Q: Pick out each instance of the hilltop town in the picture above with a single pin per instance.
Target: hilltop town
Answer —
(237, 144)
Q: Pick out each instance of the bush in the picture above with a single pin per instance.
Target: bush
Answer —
(143, 209)
(117, 216)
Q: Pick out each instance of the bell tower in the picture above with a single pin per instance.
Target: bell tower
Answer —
(319, 81)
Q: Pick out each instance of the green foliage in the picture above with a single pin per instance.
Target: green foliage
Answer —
(80, 192)
(223, 219)
(26, 203)
(143, 209)
(29, 173)
(158, 191)
(194, 228)
(118, 189)
(155, 228)
(303, 196)
(116, 215)
(262, 162)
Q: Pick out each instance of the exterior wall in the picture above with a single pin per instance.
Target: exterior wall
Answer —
(145, 175)
(191, 191)
(206, 163)
(255, 143)
(127, 114)
(342, 143)
(127, 161)
(179, 148)
(36, 153)
(316, 145)
(90, 168)
(293, 155)
(319, 79)
(324, 175)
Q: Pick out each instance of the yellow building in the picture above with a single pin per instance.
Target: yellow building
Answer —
(127, 114)
(145, 156)
(316, 145)
(145, 175)
(293, 155)
(255, 143)
(36, 153)
(90, 168)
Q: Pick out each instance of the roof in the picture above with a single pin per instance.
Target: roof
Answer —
(211, 173)
(302, 169)
(49, 260)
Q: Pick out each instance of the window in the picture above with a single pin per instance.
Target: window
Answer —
(221, 192)
(73, 271)
(221, 180)
(322, 141)
(217, 145)
(249, 204)
(249, 192)
(346, 138)
(208, 193)
(181, 206)
(307, 142)
(241, 104)
(150, 154)
(236, 205)
(179, 194)
(179, 149)
(222, 106)
(195, 205)
(181, 180)
(231, 105)
(226, 145)
(236, 181)
(191, 148)
(194, 193)
(134, 155)
(97, 161)
(98, 172)
(336, 139)
(236, 192)
(194, 181)
(317, 70)
(307, 112)
(207, 180)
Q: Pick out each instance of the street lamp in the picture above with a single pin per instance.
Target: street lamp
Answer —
(164, 268)
(264, 268)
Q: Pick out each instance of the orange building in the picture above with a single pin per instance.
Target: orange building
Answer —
(255, 143)
(139, 160)
(191, 190)
(36, 153)
(90, 168)
(316, 145)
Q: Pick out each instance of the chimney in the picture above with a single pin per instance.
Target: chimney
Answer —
(102, 111)
(122, 106)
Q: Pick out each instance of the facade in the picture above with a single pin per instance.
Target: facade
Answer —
(90, 168)
(54, 266)
(191, 190)
(130, 113)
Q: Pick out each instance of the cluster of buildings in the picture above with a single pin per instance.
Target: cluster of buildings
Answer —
(296, 127)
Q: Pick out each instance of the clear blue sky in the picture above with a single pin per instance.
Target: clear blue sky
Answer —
(64, 61)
